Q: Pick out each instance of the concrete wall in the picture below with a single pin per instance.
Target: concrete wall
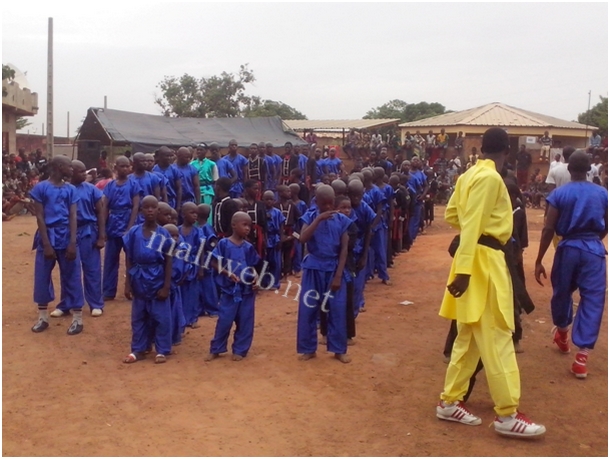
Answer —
(9, 131)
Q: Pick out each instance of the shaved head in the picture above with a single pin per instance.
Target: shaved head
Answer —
(122, 160)
(172, 229)
(78, 165)
(339, 186)
(325, 192)
(239, 217)
(150, 199)
(355, 186)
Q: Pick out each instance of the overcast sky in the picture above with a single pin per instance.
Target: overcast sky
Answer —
(329, 61)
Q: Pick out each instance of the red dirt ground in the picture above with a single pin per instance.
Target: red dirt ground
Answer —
(72, 396)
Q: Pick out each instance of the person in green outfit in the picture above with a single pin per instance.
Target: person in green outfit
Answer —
(208, 174)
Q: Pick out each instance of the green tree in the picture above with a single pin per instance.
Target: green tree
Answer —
(266, 107)
(597, 116)
(7, 74)
(406, 112)
(220, 96)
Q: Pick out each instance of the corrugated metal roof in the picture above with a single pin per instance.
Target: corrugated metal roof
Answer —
(321, 125)
(495, 114)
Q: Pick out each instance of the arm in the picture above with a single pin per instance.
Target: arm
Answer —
(164, 194)
(157, 192)
(49, 252)
(128, 294)
(545, 240)
(308, 230)
(336, 283)
(71, 251)
(367, 243)
(100, 209)
(196, 188)
(164, 292)
(244, 171)
(134, 211)
(178, 187)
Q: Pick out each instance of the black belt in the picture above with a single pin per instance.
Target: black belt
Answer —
(520, 295)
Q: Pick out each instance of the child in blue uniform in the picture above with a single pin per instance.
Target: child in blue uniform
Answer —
(291, 216)
(149, 183)
(55, 203)
(122, 198)
(194, 268)
(578, 212)
(150, 164)
(301, 206)
(376, 200)
(189, 178)
(418, 187)
(236, 262)
(147, 283)
(174, 184)
(275, 237)
(323, 286)
(175, 296)
(208, 293)
(364, 217)
(385, 257)
(240, 165)
(91, 236)
(332, 164)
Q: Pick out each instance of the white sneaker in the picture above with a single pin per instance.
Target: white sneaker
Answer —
(96, 312)
(518, 426)
(456, 412)
(58, 313)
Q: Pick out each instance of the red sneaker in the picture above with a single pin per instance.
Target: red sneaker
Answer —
(579, 367)
(561, 340)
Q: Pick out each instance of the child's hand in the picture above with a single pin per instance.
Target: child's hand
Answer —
(200, 274)
(336, 283)
(71, 252)
(163, 293)
(326, 215)
(128, 293)
(49, 253)
(100, 243)
(233, 277)
(361, 263)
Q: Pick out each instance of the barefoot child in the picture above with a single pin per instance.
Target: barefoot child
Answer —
(147, 284)
(91, 236)
(173, 182)
(325, 233)
(122, 197)
(275, 237)
(236, 261)
(257, 212)
(208, 293)
(175, 296)
(194, 269)
(301, 207)
(55, 202)
(289, 211)
(149, 183)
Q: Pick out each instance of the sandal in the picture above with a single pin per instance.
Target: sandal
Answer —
(160, 358)
(132, 358)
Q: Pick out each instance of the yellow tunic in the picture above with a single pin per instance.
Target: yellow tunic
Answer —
(480, 205)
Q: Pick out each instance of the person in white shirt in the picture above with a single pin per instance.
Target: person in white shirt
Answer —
(556, 162)
(559, 175)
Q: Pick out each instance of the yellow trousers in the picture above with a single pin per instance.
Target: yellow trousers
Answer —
(489, 339)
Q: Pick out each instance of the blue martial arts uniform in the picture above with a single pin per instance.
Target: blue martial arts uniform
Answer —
(175, 296)
(416, 184)
(236, 299)
(150, 316)
(378, 250)
(319, 266)
(270, 171)
(56, 202)
(238, 163)
(171, 174)
(303, 162)
(90, 255)
(187, 175)
(580, 259)
(147, 183)
(363, 216)
(275, 220)
(208, 291)
(190, 285)
(333, 166)
(119, 201)
(298, 246)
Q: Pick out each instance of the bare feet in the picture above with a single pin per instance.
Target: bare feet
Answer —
(385, 282)
(446, 359)
(351, 342)
(237, 358)
(363, 309)
(307, 356)
(322, 340)
(210, 357)
(343, 358)
(518, 348)
(194, 325)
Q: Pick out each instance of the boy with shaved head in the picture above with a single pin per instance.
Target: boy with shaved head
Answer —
(173, 182)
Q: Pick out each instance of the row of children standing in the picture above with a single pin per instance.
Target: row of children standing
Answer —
(110, 221)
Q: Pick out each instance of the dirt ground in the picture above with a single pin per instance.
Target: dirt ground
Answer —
(72, 396)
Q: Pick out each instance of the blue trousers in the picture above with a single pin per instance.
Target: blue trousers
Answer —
(91, 263)
(415, 220)
(576, 269)
(208, 294)
(240, 312)
(190, 301)
(112, 257)
(298, 257)
(151, 318)
(69, 278)
(359, 283)
(273, 256)
(177, 314)
(379, 243)
(315, 288)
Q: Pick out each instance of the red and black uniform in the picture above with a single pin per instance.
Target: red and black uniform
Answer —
(289, 162)
(224, 208)
(291, 214)
(258, 235)
(256, 171)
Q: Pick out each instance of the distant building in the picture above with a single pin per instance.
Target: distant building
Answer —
(17, 101)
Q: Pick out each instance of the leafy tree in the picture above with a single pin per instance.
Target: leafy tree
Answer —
(7, 74)
(266, 107)
(22, 122)
(406, 112)
(216, 96)
(597, 116)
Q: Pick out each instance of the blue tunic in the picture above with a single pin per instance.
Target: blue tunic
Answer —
(238, 163)
(333, 166)
(363, 217)
(120, 204)
(373, 198)
(171, 174)
(187, 175)
(324, 247)
(193, 241)
(235, 258)
(270, 171)
(147, 182)
(56, 202)
(275, 220)
(224, 167)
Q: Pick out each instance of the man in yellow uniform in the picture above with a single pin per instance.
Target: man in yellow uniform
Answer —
(480, 295)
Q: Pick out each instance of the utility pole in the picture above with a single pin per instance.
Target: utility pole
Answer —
(105, 102)
(50, 91)
(587, 121)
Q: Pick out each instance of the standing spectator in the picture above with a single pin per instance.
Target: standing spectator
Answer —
(524, 161)
(595, 142)
(376, 141)
(103, 162)
(459, 143)
(546, 141)
(556, 162)
(430, 143)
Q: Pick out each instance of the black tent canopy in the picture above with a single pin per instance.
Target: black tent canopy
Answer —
(149, 132)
